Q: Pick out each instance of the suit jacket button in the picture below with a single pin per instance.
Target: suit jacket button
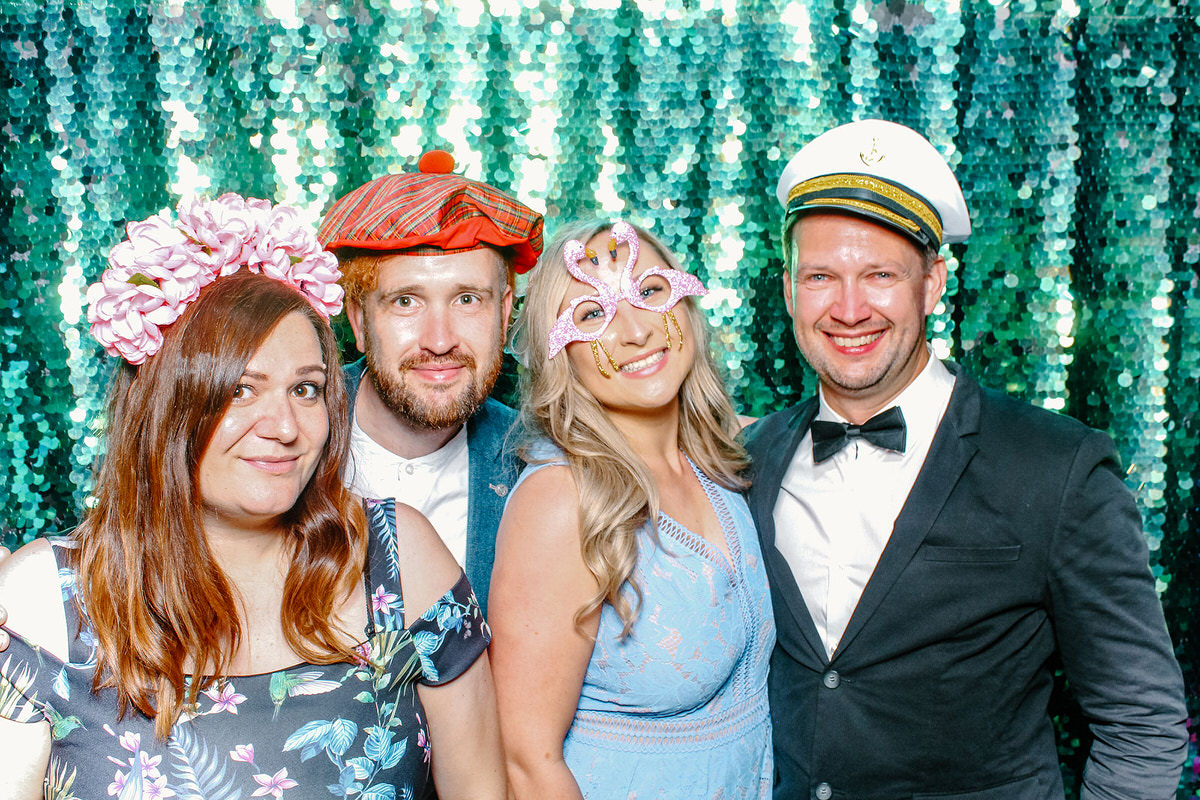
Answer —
(831, 680)
(824, 791)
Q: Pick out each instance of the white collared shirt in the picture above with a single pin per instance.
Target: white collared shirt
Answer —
(435, 484)
(833, 519)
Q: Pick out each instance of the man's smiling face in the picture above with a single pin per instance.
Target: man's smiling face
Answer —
(858, 294)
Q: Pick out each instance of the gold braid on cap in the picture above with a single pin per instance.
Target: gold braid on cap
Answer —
(920, 210)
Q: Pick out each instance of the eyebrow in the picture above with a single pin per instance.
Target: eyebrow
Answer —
(306, 370)
(891, 264)
(420, 288)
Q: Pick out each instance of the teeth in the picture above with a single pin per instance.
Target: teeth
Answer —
(645, 362)
(856, 341)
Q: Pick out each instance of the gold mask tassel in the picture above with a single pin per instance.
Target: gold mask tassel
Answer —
(596, 348)
(678, 329)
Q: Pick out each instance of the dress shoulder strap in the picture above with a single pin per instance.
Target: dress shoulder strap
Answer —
(382, 576)
(81, 637)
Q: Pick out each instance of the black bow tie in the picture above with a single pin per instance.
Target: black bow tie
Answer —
(885, 429)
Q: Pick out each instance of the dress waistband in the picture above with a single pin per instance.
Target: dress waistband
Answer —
(622, 731)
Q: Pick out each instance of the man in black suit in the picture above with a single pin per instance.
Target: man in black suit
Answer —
(935, 549)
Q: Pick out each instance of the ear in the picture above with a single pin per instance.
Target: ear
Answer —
(354, 313)
(935, 284)
(787, 292)
(506, 306)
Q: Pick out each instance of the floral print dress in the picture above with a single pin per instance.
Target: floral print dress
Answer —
(309, 731)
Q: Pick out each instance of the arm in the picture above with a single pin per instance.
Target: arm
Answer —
(30, 575)
(538, 655)
(461, 713)
(4, 554)
(25, 759)
(463, 732)
(1114, 644)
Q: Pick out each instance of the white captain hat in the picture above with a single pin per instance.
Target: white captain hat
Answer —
(882, 171)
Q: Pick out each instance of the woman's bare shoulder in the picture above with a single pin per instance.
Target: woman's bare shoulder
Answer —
(427, 568)
(548, 496)
(29, 590)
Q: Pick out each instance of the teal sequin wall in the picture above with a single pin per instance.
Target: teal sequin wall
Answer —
(1073, 126)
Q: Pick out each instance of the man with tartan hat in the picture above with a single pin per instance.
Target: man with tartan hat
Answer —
(428, 260)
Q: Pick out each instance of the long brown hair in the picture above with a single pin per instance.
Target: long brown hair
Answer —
(617, 493)
(148, 581)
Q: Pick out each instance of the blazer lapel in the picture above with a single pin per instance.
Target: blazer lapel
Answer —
(770, 466)
(771, 463)
(952, 449)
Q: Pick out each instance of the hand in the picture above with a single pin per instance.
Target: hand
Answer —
(4, 553)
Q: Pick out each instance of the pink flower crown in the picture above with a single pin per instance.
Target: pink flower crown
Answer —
(162, 265)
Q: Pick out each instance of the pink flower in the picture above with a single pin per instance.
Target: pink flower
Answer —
(242, 752)
(288, 251)
(151, 278)
(224, 700)
(423, 740)
(157, 790)
(130, 741)
(383, 600)
(162, 265)
(273, 784)
(149, 765)
(317, 276)
(118, 784)
(284, 236)
(226, 227)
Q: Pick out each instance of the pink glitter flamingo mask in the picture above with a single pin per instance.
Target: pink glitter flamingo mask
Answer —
(588, 316)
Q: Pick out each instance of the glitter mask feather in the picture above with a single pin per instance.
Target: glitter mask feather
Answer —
(612, 287)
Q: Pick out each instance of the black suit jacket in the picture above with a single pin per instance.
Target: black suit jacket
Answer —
(1018, 543)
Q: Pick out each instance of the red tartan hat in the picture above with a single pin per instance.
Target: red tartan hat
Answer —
(433, 211)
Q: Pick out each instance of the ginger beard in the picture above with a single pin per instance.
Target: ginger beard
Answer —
(426, 405)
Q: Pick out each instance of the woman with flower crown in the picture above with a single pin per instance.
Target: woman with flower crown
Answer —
(228, 620)
(629, 601)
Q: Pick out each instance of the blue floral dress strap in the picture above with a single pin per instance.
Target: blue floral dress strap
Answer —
(449, 635)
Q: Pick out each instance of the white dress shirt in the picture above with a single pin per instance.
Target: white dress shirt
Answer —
(833, 519)
(435, 484)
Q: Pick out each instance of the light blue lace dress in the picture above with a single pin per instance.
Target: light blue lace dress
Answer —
(678, 709)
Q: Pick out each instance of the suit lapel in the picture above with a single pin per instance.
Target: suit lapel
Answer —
(952, 449)
(770, 466)
(771, 463)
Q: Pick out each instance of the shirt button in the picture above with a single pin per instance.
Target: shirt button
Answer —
(824, 791)
(831, 680)
(408, 468)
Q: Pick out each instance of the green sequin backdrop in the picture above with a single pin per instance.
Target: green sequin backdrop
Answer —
(1073, 127)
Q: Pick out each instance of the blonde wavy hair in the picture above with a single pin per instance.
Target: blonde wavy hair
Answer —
(617, 493)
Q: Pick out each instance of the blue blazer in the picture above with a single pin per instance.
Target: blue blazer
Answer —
(494, 467)
(1019, 548)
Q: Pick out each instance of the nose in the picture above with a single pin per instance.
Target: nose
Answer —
(437, 334)
(850, 306)
(634, 326)
(278, 420)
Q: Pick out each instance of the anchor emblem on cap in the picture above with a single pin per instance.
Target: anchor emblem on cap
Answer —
(874, 156)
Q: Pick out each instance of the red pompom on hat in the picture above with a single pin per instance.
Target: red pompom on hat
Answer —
(436, 162)
(433, 211)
